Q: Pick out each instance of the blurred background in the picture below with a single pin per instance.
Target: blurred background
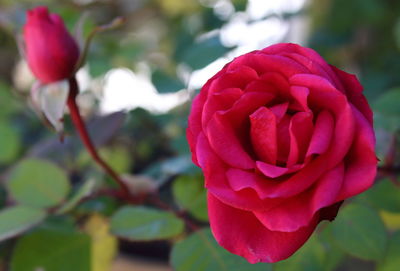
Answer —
(136, 90)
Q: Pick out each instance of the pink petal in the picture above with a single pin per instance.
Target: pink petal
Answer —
(354, 92)
(279, 110)
(216, 181)
(300, 95)
(234, 78)
(194, 120)
(249, 102)
(263, 63)
(279, 81)
(240, 179)
(300, 181)
(283, 137)
(263, 134)
(326, 97)
(228, 131)
(219, 101)
(317, 67)
(298, 211)
(241, 233)
(226, 144)
(309, 54)
(323, 133)
(272, 171)
(300, 130)
(361, 162)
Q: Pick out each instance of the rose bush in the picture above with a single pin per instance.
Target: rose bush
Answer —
(50, 50)
(282, 138)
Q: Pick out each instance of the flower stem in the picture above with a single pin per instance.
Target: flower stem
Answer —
(87, 142)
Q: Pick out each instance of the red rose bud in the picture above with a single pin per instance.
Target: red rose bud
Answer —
(50, 50)
(282, 138)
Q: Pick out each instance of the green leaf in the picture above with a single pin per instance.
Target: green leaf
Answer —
(17, 219)
(397, 33)
(62, 223)
(119, 158)
(8, 104)
(383, 195)
(240, 5)
(360, 232)
(391, 261)
(203, 53)
(200, 252)
(165, 83)
(310, 257)
(145, 224)
(52, 251)
(103, 205)
(190, 194)
(38, 183)
(9, 143)
(387, 110)
(82, 192)
(98, 65)
(334, 256)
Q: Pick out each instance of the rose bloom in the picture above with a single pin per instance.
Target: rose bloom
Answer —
(50, 50)
(282, 138)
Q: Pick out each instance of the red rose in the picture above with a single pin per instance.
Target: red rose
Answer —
(282, 138)
(50, 50)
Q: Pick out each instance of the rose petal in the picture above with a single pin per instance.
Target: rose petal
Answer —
(300, 95)
(272, 171)
(241, 233)
(322, 69)
(234, 78)
(325, 96)
(227, 131)
(298, 211)
(354, 93)
(283, 137)
(279, 81)
(263, 63)
(308, 53)
(216, 181)
(300, 130)
(217, 101)
(322, 136)
(279, 110)
(194, 120)
(226, 144)
(263, 134)
(361, 160)
(240, 179)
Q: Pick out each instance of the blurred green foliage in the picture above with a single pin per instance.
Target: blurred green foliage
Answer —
(47, 212)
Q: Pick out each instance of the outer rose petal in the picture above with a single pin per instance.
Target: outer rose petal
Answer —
(263, 63)
(361, 160)
(241, 233)
(310, 54)
(354, 93)
(298, 211)
(195, 117)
